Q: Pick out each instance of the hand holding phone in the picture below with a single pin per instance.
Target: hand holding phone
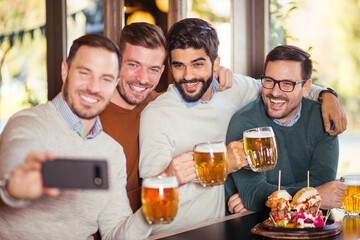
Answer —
(75, 174)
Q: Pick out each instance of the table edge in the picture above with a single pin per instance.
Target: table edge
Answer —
(200, 225)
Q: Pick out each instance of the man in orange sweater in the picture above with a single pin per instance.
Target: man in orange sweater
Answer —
(144, 48)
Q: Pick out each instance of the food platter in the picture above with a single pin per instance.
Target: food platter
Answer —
(330, 226)
(263, 229)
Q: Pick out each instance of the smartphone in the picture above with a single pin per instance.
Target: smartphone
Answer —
(75, 174)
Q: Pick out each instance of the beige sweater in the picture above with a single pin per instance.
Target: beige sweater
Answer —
(168, 128)
(75, 214)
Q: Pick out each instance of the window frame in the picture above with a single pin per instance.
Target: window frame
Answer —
(249, 18)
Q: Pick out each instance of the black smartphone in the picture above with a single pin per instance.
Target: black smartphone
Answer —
(75, 174)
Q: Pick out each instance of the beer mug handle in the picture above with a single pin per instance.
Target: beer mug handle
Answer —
(342, 208)
(247, 167)
(196, 180)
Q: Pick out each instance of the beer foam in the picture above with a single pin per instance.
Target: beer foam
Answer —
(258, 134)
(351, 180)
(205, 148)
(157, 182)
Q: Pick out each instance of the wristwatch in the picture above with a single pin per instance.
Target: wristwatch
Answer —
(330, 90)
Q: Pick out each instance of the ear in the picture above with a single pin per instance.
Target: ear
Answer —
(64, 71)
(216, 63)
(117, 81)
(306, 88)
(162, 69)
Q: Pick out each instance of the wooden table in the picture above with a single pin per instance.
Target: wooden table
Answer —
(239, 227)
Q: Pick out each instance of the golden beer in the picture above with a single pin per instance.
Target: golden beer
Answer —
(351, 202)
(351, 227)
(260, 148)
(211, 163)
(160, 199)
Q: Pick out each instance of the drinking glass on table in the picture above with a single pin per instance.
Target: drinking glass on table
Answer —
(351, 203)
(260, 148)
(211, 163)
(351, 226)
(160, 198)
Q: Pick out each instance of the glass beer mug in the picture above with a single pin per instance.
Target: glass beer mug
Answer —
(260, 148)
(351, 203)
(351, 227)
(160, 198)
(211, 163)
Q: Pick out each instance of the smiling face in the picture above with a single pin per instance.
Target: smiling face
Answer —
(193, 73)
(284, 105)
(90, 80)
(140, 73)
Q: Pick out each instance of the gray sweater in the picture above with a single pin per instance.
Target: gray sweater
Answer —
(75, 214)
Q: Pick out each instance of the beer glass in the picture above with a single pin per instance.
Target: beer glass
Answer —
(351, 203)
(211, 163)
(351, 226)
(159, 196)
(260, 148)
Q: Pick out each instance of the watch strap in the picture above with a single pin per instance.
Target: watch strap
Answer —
(329, 90)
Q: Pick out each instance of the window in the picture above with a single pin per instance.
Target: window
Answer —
(218, 14)
(84, 16)
(329, 31)
(22, 70)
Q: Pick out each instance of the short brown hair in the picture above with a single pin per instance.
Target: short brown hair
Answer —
(93, 40)
(291, 53)
(194, 33)
(142, 34)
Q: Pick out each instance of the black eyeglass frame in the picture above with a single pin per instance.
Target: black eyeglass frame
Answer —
(279, 81)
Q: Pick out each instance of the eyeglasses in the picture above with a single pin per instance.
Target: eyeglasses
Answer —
(284, 85)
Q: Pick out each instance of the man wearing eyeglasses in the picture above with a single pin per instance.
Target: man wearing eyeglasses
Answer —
(302, 142)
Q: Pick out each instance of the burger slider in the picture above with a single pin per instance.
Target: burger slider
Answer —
(279, 203)
(306, 209)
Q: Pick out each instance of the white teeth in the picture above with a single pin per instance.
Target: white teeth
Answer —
(88, 99)
(136, 88)
(277, 101)
(190, 84)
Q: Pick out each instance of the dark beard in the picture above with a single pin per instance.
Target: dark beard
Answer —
(205, 86)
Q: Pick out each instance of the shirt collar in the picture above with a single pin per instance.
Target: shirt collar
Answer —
(73, 121)
(293, 120)
(215, 86)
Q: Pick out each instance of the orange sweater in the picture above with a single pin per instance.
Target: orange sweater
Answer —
(123, 126)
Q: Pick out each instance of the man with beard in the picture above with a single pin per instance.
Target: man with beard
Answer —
(302, 142)
(67, 127)
(191, 112)
(143, 47)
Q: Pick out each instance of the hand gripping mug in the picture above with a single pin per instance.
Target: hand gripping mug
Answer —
(160, 198)
(351, 203)
(260, 148)
(211, 163)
